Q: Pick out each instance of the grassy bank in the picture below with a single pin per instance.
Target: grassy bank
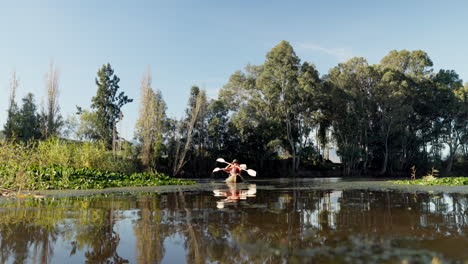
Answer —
(455, 181)
(68, 153)
(59, 177)
(58, 164)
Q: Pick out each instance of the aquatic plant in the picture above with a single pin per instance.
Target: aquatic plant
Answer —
(453, 181)
(432, 175)
(61, 177)
(431, 179)
(413, 172)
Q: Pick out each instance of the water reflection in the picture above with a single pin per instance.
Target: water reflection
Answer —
(276, 227)
(234, 193)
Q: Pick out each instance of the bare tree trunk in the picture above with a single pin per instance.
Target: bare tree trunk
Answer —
(51, 114)
(180, 159)
(145, 126)
(11, 126)
(291, 143)
(385, 162)
(452, 152)
(114, 140)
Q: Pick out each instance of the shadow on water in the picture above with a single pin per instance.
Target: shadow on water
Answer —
(237, 223)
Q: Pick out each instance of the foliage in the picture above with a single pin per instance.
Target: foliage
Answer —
(432, 175)
(108, 103)
(431, 179)
(60, 177)
(150, 126)
(28, 120)
(451, 181)
(22, 124)
(274, 105)
(66, 153)
(381, 118)
(87, 126)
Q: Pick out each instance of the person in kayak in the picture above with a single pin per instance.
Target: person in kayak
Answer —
(234, 171)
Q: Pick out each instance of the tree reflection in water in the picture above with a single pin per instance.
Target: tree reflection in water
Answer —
(277, 226)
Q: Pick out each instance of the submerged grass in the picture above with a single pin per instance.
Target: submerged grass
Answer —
(455, 181)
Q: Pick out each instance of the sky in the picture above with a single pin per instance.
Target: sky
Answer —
(203, 42)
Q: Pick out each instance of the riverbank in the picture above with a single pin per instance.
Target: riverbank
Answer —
(300, 184)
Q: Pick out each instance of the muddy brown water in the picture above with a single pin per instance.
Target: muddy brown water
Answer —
(267, 221)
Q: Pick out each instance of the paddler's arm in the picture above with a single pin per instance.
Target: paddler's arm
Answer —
(228, 168)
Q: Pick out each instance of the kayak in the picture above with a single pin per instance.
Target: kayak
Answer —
(234, 179)
(234, 171)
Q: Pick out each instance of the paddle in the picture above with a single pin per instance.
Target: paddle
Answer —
(242, 166)
(251, 172)
(222, 160)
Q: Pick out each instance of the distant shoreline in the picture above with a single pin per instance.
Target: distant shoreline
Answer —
(303, 184)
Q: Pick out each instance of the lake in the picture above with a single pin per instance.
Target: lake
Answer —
(263, 221)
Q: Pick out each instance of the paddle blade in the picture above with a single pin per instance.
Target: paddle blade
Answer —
(216, 169)
(221, 160)
(251, 172)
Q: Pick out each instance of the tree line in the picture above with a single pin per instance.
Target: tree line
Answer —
(382, 119)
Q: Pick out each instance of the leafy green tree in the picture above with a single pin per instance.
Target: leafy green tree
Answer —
(392, 109)
(108, 103)
(252, 131)
(288, 90)
(311, 95)
(88, 126)
(279, 86)
(413, 63)
(28, 120)
(217, 127)
(452, 119)
(274, 106)
(462, 95)
(351, 83)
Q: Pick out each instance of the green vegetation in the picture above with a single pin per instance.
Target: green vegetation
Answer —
(59, 177)
(108, 103)
(382, 118)
(67, 153)
(431, 179)
(277, 117)
(59, 164)
(453, 181)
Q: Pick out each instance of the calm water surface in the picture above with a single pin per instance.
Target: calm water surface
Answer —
(259, 222)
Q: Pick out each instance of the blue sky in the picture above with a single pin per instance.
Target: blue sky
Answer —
(203, 42)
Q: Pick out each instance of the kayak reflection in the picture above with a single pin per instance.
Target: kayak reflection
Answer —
(234, 193)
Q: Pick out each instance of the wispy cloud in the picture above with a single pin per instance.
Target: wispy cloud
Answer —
(342, 54)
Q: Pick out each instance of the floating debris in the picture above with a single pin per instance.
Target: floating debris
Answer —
(11, 193)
